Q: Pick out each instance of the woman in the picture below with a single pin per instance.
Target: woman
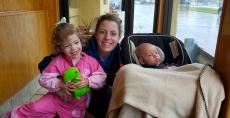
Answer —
(104, 46)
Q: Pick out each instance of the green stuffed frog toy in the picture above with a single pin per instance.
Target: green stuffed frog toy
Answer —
(73, 75)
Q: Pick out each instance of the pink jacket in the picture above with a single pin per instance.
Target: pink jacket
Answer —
(87, 65)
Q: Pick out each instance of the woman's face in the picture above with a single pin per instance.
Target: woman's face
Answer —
(72, 47)
(107, 36)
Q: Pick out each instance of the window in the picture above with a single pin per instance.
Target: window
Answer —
(143, 16)
(198, 20)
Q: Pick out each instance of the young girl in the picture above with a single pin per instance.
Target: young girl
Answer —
(58, 100)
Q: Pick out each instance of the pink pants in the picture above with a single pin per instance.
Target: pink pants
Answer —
(49, 105)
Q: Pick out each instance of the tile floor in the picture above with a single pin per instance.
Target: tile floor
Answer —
(40, 92)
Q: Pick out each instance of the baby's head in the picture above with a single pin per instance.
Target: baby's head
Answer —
(65, 40)
(148, 54)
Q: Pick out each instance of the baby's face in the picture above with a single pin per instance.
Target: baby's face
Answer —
(149, 56)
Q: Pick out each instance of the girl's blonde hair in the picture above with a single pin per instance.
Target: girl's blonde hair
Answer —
(60, 34)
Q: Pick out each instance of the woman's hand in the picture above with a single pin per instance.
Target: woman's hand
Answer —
(64, 93)
(70, 86)
(82, 83)
(64, 96)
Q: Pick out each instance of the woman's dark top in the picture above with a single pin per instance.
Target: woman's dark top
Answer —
(100, 98)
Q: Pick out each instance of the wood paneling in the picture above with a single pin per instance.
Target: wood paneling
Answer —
(23, 44)
(226, 19)
(25, 39)
(52, 7)
(222, 57)
(1, 6)
(160, 20)
(13, 5)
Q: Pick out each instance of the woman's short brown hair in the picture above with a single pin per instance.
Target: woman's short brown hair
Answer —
(109, 17)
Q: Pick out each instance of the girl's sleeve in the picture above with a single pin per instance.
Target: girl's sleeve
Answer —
(98, 76)
(49, 78)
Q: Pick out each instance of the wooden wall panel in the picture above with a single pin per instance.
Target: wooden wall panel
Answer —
(23, 44)
(13, 5)
(222, 57)
(1, 6)
(160, 20)
(52, 7)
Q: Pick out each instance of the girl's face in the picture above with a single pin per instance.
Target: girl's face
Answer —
(72, 47)
(107, 36)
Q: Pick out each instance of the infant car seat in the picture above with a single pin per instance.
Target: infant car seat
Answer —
(173, 48)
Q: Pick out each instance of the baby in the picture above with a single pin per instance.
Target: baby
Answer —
(150, 55)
